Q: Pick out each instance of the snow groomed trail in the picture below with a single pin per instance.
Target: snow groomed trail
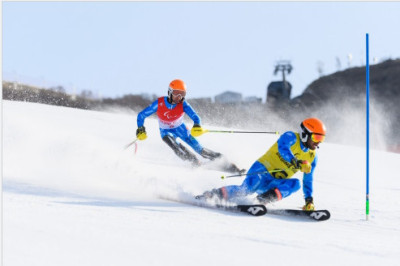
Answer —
(73, 196)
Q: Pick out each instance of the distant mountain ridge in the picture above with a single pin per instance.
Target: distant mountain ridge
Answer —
(384, 84)
(345, 92)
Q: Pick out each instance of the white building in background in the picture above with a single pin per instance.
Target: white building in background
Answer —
(228, 97)
(252, 99)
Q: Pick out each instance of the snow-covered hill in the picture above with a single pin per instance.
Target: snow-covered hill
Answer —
(73, 196)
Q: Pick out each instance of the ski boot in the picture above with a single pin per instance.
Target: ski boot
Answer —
(270, 196)
(216, 193)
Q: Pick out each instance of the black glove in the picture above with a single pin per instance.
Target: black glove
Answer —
(296, 164)
(141, 129)
(196, 125)
(303, 166)
(141, 133)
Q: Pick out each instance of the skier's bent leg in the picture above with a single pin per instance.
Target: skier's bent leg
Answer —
(205, 153)
(189, 155)
(248, 186)
(288, 186)
(209, 154)
(179, 149)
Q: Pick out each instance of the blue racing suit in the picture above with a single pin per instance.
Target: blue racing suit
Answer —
(176, 127)
(259, 180)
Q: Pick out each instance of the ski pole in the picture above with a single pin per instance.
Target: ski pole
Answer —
(129, 144)
(234, 131)
(272, 171)
(228, 176)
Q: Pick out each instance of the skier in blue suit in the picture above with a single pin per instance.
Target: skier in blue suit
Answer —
(270, 176)
(170, 111)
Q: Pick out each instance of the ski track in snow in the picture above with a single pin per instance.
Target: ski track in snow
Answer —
(73, 196)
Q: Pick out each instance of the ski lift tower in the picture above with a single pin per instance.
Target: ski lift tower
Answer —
(279, 91)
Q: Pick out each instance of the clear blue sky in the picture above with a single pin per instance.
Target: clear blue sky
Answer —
(118, 48)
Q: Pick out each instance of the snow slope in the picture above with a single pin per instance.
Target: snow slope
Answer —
(73, 196)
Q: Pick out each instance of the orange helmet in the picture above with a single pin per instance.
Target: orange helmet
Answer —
(177, 84)
(312, 126)
(179, 87)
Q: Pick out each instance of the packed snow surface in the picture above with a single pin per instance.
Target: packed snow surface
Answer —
(72, 195)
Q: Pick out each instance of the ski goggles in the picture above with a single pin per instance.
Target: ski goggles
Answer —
(180, 94)
(317, 137)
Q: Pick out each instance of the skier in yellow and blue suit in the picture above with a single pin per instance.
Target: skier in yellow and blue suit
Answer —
(270, 176)
(170, 111)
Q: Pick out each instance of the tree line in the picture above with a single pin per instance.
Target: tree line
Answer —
(229, 115)
(57, 96)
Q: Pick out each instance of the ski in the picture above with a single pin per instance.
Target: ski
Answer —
(253, 209)
(259, 210)
(317, 215)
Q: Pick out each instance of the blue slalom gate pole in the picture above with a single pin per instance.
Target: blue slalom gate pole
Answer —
(367, 103)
